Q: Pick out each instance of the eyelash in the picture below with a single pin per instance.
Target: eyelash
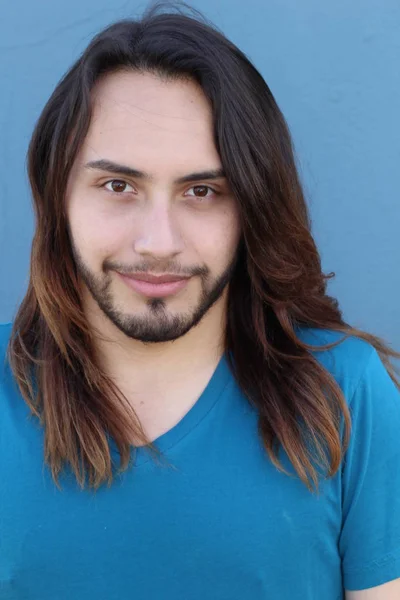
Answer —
(103, 185)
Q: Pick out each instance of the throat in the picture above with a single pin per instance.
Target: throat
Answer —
(162, 408)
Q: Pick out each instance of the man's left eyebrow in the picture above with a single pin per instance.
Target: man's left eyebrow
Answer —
(112, 167)
(201, 176)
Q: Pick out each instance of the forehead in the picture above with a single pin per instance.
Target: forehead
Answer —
(151, 123)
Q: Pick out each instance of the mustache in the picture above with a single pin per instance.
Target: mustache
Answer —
(155, 269)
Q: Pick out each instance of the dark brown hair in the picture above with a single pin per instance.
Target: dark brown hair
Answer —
(277, 286)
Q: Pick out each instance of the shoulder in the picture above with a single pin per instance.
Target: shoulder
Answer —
(351, 353)
(5, 332)
(5, 370)
(350, 362)
(370, 393)
(5, 329)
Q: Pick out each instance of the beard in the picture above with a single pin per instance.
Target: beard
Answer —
(158, 324)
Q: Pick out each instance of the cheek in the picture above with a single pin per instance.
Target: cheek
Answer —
(95, 233)
(216, 243)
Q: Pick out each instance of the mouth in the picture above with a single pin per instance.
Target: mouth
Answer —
(155, 286)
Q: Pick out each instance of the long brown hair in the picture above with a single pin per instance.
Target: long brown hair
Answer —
(278, 284)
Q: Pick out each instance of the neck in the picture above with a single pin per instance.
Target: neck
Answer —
(128, 360)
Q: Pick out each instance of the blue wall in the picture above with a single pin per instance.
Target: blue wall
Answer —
(334, 70)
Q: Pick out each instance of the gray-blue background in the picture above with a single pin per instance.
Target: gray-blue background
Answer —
(334, 70)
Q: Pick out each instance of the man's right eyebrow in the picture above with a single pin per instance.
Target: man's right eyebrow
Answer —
(112, 167)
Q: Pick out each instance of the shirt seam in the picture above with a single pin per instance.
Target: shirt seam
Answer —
(377, 563)
(362, 374)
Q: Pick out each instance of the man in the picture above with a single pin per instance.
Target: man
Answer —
(173, 327)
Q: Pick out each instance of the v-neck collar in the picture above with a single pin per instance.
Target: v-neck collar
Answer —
(206, 401)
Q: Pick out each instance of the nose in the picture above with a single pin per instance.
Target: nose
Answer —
(157, 233)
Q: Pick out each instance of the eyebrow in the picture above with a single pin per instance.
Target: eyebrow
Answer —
(112, 167)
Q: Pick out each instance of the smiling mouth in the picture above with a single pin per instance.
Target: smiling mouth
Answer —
(155, 286)
(156, 278)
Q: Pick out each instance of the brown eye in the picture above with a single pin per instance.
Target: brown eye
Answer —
(200, 190)
(117, 186)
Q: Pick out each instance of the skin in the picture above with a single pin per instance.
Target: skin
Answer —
(161, 352)
(387, 591)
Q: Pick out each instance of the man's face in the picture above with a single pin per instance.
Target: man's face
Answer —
(126, 224)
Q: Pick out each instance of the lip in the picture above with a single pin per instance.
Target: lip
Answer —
(156, 278)
(155, 287)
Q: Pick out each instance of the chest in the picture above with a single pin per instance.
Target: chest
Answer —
(227, 524)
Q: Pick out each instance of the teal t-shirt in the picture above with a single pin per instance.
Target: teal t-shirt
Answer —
(223, 523)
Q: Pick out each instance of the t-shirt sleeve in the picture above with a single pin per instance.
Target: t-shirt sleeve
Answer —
(370, 536)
